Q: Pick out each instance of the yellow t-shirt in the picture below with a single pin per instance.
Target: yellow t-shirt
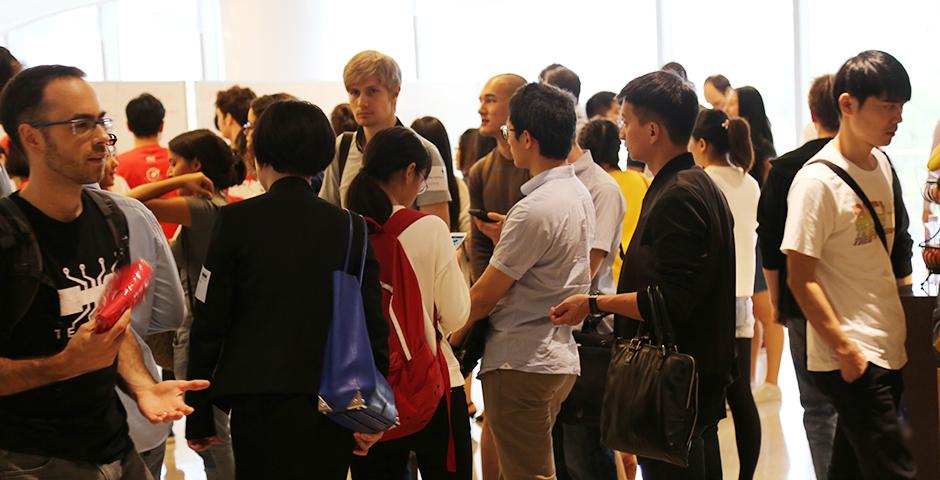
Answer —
(634, 186)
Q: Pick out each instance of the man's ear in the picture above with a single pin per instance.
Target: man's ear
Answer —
(527, 141)
(847, 104)
(31, 138)
(655, 132)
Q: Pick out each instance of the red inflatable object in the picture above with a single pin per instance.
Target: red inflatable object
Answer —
(126, 289)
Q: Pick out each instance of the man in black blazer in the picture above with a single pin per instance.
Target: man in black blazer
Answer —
(684, 243)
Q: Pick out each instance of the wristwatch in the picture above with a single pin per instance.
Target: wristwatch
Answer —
(592, 304)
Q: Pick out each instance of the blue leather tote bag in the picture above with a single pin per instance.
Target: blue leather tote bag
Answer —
(353, 393)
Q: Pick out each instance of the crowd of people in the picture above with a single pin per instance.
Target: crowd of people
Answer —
(246, 228)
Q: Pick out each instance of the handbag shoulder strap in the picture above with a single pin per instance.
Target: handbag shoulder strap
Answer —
(349, 244)
(861, 195)
(365, 247)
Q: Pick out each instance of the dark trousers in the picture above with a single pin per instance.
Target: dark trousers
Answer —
(704, 453)
(388, 460)
(747, 432)
(704, 459)
(869, 441)
(285, 437)
(24, 466)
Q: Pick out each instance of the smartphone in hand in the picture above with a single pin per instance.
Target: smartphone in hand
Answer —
(482, 215)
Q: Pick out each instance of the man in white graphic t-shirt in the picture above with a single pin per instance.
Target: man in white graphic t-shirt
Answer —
(839, 258)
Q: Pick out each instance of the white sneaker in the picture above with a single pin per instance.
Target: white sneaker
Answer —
(767, 392)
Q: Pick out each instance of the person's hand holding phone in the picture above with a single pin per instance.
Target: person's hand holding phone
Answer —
(489, 223)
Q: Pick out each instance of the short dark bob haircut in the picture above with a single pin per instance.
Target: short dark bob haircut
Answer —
(294, 137)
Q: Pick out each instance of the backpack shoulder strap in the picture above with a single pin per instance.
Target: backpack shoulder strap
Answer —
(344, 146)
(117, 223)
(401, 220)
(19, 246)
(861, 195)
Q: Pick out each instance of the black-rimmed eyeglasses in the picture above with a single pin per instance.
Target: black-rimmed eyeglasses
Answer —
(80, 126)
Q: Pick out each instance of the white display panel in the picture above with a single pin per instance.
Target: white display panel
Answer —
(113, 97)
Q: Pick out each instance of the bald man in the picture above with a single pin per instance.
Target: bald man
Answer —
(494, 182)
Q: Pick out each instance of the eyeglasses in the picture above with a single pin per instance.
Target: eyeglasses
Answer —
(505, 131)
(620, 123)
(80, 126)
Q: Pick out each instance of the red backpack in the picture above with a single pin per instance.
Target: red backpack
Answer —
(418, 376)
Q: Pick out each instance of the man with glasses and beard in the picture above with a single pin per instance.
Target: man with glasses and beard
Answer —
(60, 416)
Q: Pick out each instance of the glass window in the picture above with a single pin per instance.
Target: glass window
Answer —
(159, 40)
(72, 37)
(900, 32)
(749, 42)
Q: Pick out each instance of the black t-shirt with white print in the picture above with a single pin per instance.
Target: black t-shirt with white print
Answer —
(81, 418)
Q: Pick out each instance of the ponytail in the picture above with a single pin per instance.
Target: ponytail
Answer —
(388, 152)
(740, 149)
(727, 137)
(239, 172)
(218, 161)
(367, 198)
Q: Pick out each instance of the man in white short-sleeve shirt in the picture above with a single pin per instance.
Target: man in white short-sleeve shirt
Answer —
(840, 271)
(373, 81)
(542, 255)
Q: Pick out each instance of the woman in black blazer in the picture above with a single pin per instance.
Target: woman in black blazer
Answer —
(264, 307)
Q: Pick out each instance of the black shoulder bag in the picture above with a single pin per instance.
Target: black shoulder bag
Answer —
(583, 405)
(651, 400)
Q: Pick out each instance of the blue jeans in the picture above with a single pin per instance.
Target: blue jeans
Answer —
(819, 414)
(585, 457)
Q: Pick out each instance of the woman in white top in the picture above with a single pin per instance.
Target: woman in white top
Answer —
(722, 146)
(394, 171)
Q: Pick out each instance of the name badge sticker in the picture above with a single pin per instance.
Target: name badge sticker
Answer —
(203, 285)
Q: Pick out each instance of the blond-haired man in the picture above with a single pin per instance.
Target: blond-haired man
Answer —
(373, 82)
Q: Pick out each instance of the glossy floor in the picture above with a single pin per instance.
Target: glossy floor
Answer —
(784, 451)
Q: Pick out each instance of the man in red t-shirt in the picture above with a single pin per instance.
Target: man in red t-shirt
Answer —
(147, 162)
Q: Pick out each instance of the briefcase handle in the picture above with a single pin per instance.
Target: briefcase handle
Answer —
(659, 321)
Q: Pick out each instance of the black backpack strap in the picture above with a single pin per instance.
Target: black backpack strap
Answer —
(344, 146)
(861, 195)
(23, 275)
(117, 223)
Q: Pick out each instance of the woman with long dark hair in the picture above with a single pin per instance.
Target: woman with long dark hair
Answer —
(433, 131)
(722, 146)
(202, 168)
(394, 171)
(748, 104)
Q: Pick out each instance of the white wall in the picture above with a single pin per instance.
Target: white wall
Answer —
(113, 97)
